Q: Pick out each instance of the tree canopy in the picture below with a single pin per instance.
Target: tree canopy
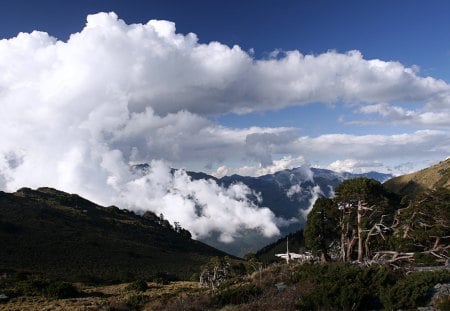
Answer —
(424, 225)
(322, 227)
(364, 219)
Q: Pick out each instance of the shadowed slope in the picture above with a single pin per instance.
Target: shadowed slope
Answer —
(64, 236)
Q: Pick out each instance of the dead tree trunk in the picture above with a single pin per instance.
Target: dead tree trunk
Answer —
(350, 244)
(360, 231)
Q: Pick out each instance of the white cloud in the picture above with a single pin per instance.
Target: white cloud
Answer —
(433, 145)
(315, 194)
(75, 114)
(355, 166)
(369, 153)
(286, 162)
(201, 206)
(293, 190)
(150, 65)
(419, 144)
(437, 118)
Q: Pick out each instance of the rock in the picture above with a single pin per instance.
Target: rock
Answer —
(439, 291)
(280, 286)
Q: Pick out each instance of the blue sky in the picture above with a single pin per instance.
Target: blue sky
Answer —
(412, 35)
(412, 32)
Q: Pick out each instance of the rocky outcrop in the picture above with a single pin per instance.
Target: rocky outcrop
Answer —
(438, 292)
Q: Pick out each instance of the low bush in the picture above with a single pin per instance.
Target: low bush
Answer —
(138, 285)
(237, 295)
(343, 286)
(425, 259)
(32, 287)
(46, 288)
(61, 290)
(164, 278)
(413, 290)
(192, 302)
(137, 301)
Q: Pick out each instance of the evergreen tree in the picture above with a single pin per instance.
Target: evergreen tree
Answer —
(366, 209)
(425, 224)
(322, 227)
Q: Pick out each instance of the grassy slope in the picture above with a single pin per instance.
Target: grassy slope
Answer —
(110, 297)
(429, 178)
(65, 236)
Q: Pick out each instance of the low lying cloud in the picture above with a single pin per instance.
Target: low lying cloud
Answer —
(427, 144)
(361, 153)
(315, 194)
(293, 190)
(286, 162)
(201, 206)
(355, 166)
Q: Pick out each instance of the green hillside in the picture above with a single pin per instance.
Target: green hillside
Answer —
(429, 178)
(64, 236)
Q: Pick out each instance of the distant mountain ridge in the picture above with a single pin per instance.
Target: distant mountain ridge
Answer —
(61, 235)
(277, 189)
(432, 177)
(286, 193)
(418, 213)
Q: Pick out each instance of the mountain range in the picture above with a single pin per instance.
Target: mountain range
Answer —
(288, 194)
(62, 235)
(408, 186)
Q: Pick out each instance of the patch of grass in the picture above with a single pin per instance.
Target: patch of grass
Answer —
(138, 285)
(443, 303)
(48, 289)
(137, 301)
(237, 295)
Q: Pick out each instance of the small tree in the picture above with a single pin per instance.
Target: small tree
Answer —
(215, 272)
(425, 224)
(366, 209)
(322, 227)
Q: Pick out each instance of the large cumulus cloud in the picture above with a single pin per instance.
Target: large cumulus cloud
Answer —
(151, 65)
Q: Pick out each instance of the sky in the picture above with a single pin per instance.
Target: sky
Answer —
(88, 88)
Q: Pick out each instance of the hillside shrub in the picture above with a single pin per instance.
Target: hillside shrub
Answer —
(32, 287)
(137, 301)
(192, 302)
(49, 289)
(413, 290)
(425, 259)
(61, 290)
(237, 295)
(164, 278)
(138, 285)
(343, 286)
